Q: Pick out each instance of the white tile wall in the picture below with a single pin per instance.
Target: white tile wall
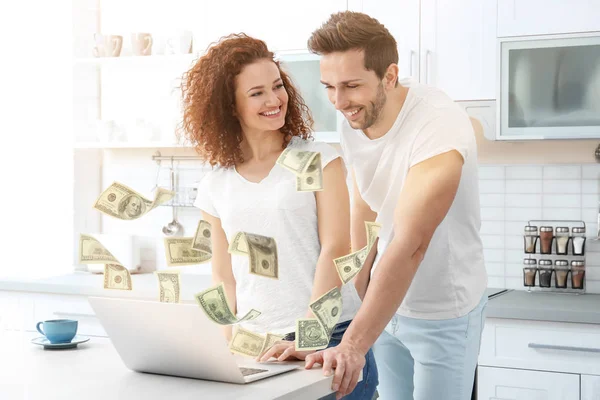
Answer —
(511, 195)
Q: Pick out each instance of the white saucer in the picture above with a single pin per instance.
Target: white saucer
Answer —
(43, 341)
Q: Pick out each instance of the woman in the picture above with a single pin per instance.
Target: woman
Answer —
(240, 112)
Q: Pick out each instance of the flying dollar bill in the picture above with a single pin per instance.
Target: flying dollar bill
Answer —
(203, 237)
(116, 276)
(179, 252)
(122, 202)
(169, 286)
(91, 251)
(307, 167)
(310, 335)
(246, 343)
(261, 251)
(349, 266)
(328, 310)
(270, 340)
(214, 303)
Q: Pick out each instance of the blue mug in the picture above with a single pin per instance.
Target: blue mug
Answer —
(58, 330)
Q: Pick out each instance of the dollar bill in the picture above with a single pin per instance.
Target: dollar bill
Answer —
(328, 310)
(261, 251)
(122, 202)
(91, 251)
(349, 266)
(179, 252)
(312, 180)
(116, 276)
(214, 303)
(270, 340)
(310, 335)
(307, 167)
(372, 233)
(169, 286)
(246, 343)
(295, 160)
(203, 237)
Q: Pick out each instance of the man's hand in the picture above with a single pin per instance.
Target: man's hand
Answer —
(348, 363)
(283, 350)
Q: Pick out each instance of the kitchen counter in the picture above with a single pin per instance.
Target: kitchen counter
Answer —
(145, 286)
(94, 371)
(554, 307)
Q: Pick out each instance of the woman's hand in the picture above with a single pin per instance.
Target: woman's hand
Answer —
(283, 350)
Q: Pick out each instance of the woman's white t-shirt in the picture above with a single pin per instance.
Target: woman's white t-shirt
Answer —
(275, 209)
(451, 278)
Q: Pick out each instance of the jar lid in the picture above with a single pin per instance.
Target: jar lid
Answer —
(531, 228)
(529, 261)
(562, 229)
(561, 263)
(545, 262)
(577, 263)
(546, 229)
(579, 230)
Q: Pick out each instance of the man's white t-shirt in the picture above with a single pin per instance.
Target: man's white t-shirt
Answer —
(451, 279)
(275, 209)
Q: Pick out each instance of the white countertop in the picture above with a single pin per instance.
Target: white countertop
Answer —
(94, 371)
(145, 286)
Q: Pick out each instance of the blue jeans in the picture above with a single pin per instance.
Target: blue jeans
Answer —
(421, 359)
(365, 389)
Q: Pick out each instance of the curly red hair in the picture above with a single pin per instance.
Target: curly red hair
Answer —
(208, 94)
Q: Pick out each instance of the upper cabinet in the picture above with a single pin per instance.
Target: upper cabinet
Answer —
(542, 17)
(450, 44)
(283, 26)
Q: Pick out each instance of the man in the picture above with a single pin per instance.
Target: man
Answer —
(413, 156)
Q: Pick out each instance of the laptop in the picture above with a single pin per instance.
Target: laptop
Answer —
(176, 339)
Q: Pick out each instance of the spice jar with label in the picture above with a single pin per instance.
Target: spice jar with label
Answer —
(577, 274)
(529, 271)
(546, 236)
(530, 238)
(561, 271)
(578, 241)
(562, 240)
(545, 268)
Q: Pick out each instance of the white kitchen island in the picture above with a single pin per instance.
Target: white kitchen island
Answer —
(94, 371)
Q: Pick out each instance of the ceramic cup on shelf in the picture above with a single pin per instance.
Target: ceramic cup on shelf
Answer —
(58, 330)
(141, 44)
(107, 45)
(180, 43)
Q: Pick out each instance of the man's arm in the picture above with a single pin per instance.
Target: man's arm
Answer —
(361, 212)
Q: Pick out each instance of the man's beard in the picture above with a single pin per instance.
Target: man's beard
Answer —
(373, 110)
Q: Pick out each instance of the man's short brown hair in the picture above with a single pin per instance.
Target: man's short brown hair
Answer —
(349, 30)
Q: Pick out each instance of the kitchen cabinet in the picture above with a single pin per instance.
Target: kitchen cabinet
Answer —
(283, 26)
(590, 387)
(542, 17)
(449, 44)
(514, 384)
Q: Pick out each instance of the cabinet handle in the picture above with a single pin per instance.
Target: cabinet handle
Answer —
(427, 54)
(564, 348)
(74, 314)
(412, 56)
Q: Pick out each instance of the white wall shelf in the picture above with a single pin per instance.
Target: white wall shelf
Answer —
(135, 59)
(127, 145)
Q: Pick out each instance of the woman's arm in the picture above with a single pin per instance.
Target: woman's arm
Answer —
(333, 216)
(221, 264)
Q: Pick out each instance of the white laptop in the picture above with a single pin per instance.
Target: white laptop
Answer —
(176, 339)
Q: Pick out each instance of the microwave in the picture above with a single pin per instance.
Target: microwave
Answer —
(549, 87)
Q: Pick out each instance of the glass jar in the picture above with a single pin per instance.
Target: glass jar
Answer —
(562, 240)
(577, 274)
(530, 238)
(529, 271)
(561, 272)
(545, 274)
(546, 236)
(578, 241)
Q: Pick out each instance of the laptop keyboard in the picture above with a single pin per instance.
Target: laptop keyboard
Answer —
(251, 371)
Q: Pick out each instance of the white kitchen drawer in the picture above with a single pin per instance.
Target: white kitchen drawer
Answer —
(51, 306)
(16, 311)
(516, 384)
(546, 346)
(590, 387)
